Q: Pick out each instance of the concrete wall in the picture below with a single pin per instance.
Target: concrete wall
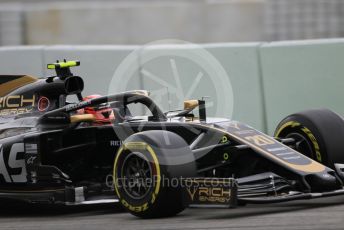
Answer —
(50, 22)
(269, 80)
(11, 25)
(136, 22)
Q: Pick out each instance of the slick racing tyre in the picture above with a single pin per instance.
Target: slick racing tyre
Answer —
(318, 134)
(147, 172)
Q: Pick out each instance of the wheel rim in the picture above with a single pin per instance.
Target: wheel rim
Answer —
(137, 175)
(302, 144)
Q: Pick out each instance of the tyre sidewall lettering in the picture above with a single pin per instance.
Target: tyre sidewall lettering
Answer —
(128, 202)
(295, 125)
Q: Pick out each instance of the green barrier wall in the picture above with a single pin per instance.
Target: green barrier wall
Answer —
(22, 60)
(269, 80)
(302, 75)
(239, 63)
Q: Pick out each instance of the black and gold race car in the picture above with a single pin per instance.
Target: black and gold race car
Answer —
(94, 150)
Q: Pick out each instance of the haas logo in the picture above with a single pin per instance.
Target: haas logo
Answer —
(13, 163)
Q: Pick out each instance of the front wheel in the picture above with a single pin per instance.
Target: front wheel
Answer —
(318, 133)
(147, 172)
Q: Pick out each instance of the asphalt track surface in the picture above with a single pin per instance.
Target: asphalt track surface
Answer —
(310, 214)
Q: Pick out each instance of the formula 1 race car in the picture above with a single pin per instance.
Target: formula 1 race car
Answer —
(155, 164)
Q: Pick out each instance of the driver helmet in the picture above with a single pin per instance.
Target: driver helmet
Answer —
(102, 112)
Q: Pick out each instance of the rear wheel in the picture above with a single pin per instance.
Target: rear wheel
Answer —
(319, 134)
(147, 172)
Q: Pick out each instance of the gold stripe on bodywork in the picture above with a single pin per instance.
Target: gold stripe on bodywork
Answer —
(8, 87)
(313, 167)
